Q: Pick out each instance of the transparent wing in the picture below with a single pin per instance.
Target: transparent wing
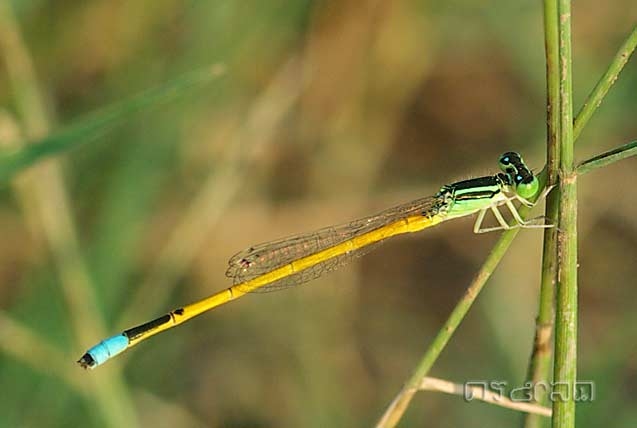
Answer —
(263, 258)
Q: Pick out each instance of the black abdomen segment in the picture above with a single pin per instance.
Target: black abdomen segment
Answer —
(132, 333)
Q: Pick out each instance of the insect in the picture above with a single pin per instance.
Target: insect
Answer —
(294, 260)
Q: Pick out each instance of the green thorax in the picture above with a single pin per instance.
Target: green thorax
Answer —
(470, 196)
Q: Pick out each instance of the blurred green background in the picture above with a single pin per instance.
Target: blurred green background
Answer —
(328, 110)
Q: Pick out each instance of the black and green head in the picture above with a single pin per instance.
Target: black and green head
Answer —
(521, 177)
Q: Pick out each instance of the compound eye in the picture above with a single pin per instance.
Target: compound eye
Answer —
(509, 158)
(510, 170)
(529, 189)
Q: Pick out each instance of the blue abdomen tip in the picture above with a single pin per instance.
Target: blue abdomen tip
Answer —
(103, 351)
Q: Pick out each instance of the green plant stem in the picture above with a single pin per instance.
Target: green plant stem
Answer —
(94, 124)
(539, 366)
(607, 158)
(540, 361)
(596, 97)
(565, 364)
(27, 346)
(396, 409)
(46, 188)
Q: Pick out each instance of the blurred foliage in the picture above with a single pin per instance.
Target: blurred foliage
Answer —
(329, 110)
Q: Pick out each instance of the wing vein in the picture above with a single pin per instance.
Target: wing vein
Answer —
(263, 258)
